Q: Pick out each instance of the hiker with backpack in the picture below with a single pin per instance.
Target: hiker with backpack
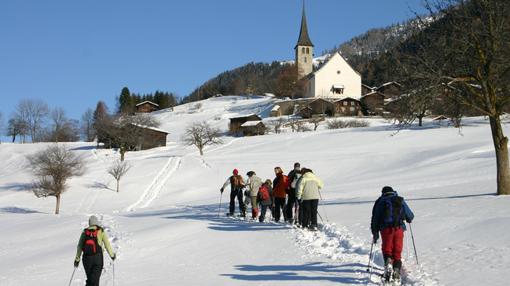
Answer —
(292, 204)
(254, 184)
(389, 214)
(280, 186)
(308, 195)
(92, 241)
(265, 197)
(236, 191)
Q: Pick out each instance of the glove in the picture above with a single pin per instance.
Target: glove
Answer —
(221, 190)
(375, 236)
(76, 263)
(114, 256)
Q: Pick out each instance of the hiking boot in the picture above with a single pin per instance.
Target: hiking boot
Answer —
(397, 266)
(388, 269)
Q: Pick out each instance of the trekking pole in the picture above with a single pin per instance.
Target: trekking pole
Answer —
(370, 256)
(113, 269)
(414, 245)
(325, 214)
(219, 207)
(320, 217)
(72, 276)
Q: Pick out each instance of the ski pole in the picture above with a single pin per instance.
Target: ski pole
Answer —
(113, 269)
(370, 256)
(414, 245)
(72, 276)
(325, 214)
(219, 207)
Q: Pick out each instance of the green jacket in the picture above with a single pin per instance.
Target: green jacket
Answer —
(102, 240)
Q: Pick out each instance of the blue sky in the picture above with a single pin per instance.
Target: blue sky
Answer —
(73, 53)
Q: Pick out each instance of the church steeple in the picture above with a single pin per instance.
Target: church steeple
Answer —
(304, 49)
(304, 38)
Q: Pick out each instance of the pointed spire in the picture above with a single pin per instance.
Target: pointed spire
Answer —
(304, 38)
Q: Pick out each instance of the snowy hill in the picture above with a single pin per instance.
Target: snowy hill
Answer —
(165, 227)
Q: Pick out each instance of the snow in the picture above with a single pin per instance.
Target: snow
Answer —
(150, 102)
(150, 128)
(251, 123)
(164, 222)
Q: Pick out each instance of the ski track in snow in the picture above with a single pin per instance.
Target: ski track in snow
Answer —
(157, 184)
(340, 246)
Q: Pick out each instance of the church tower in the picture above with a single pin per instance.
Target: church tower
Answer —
(304, 50)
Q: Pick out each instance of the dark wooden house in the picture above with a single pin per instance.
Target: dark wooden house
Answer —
(348, 107)
(236, 122)
(146, 107)
(373, 103)
(149, 137)
(390, 89)
(253, 128)
(305, 112)
(365, 89)
(322, 107)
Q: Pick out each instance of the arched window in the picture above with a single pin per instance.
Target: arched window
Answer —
(307, 51)
(303, 50)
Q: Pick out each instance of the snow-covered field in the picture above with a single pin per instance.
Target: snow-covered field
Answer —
(165, 227)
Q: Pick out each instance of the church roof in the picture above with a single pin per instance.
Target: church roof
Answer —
(304, 38)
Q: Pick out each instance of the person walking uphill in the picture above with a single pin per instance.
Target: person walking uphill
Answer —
(280, 186)
(308, 194)
(254, 183)
(92, 241)
(265, 197)
(294, 176)
(236, 191)
(388, 216)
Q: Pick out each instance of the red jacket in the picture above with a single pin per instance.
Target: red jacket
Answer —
(280, 187)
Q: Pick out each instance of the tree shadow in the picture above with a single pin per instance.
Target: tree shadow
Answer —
(17, 187)
(101, 186)
(84, 148)
(16, 210)
(316, 271)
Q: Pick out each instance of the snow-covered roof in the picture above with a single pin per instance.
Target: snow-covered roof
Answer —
(371, 93)
(150, 128)
(390, 83)
(251, 123)
(275, 108)
(244, 116)
(149, 102)
(269, 94)
(347, 97)
(338, 86)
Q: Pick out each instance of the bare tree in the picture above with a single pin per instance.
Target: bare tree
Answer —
(87, 125)
(277, 125)
(316, 122)
(118, 170)
(59, 119)
(52, 168)
(469, 52)
(33, 112)
(201, 134)
(17, 127)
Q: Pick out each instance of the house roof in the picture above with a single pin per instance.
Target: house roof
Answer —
(369, 87)
(150, 128)
(246, 116)
(149, 102)
(304, 38)
(347, 98)
(251, 123)
(275, 108)
(312, 75)
(389, 83)
(372, 93)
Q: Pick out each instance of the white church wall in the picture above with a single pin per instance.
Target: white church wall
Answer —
(336, 72)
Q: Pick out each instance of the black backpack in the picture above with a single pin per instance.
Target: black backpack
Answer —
(90, 244)
(393, 214)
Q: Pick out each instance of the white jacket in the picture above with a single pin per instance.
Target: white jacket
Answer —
(309, 186)
(254, 184)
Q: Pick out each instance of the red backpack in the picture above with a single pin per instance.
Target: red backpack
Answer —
(90, 245)
(264, 193)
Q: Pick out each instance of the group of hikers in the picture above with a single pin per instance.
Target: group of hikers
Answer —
(294, 196)
(297, 195)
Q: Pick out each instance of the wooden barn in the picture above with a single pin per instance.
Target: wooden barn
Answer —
(390, 89)
(322, 107)
(305, 112)
(253, 128)
(236, 122)
(276, 111)
(373, 103)
(348, 107)
(146, 107)
(150, 137)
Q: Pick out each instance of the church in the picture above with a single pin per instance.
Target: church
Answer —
(333, 79)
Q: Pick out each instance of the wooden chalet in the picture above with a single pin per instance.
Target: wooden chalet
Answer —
(365, 89)
(322, 106)
(390, 89)
(146, 107)
(236, 122)
(348, 107)
(373, 103)
(253, 128)
(305, 112)
(150, 137)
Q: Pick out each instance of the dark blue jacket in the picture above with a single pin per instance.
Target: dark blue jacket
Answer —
(378, 213)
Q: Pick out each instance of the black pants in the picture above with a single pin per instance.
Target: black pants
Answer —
(310, 213)
(279, 203)
(300, 213)
(239, 194)
(93, 266)
(291, 204)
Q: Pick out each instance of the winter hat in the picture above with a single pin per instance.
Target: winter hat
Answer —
(297, 165)
(93, 221)
(387, 189)
(250, 173)
(235, 172)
